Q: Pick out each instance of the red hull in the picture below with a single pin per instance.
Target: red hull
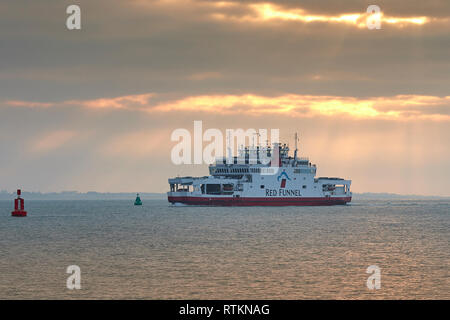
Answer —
(214, 201)
(19, 213)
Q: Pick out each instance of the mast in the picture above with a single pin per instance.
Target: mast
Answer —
(229, 153)
(295, 152)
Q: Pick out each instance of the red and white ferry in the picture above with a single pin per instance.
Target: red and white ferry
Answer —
(246, 181)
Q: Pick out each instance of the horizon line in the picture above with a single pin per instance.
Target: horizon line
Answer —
(75, 192)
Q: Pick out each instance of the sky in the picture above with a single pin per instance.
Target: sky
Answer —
(94, 109)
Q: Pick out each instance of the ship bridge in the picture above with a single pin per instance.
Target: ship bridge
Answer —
(183, 184)
(251, 160)
(334, 186)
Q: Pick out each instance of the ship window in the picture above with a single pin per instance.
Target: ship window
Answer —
(213, 188)
(304, 187)
(262, 186)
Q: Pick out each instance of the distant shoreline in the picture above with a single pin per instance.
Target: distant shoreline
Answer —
(74, 195)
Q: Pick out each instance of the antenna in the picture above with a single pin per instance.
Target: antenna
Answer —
(257, 134)
(228, 146)
(296, 149)
(296, 140)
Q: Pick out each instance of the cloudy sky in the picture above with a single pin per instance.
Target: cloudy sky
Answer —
(93, 109)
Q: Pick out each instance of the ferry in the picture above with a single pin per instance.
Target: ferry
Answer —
(246, 180)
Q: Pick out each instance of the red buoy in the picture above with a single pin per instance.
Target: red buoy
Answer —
(19, 206)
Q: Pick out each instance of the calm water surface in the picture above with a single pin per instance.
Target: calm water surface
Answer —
(162, 252)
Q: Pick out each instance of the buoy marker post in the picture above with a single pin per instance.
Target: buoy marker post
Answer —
(19, 206)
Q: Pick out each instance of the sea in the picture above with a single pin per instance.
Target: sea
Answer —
(158, 251)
